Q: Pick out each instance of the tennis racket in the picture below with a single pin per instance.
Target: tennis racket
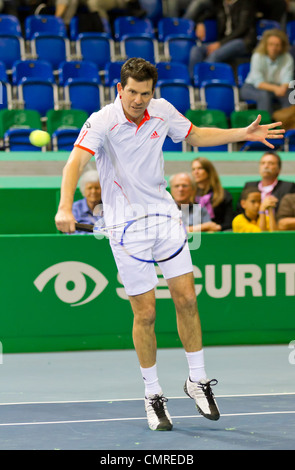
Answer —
(149, 228)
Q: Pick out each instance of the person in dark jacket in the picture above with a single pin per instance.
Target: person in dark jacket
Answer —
(270, 184)
(236, 32)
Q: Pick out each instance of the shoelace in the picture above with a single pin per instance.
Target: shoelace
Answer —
(206, 388)
(157, 404)
(158, 401)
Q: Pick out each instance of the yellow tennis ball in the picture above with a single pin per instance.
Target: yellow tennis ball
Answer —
(39, 138)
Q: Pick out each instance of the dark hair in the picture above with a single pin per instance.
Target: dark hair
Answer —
(270, 152)
(247, 191)
(138, 69)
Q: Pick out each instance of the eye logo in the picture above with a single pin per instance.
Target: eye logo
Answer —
(72, 272)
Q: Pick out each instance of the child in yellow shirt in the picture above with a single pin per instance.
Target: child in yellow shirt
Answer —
(254, 218)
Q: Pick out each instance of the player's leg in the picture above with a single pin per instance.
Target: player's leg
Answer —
(139, 280)
(179, 275)
(197, 386)
(182, 290)
(144, 339)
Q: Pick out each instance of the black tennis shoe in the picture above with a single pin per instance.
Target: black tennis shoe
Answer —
(157, 413)
(202, 393)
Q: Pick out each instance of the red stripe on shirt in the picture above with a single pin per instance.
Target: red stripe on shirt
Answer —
(84, 148)
(191, 126)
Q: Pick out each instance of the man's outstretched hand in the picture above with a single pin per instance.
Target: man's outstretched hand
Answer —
(260, 133)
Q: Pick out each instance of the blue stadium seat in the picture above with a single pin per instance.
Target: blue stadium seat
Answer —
(205, 72)
(44, 24)
(178, 94)
(259, 146)
(265, 24)
(175, 26)
(132, 26)
(153, 8)
(290, 30)
(3, 73)
(290, 141)
(12, 48)
(211, 31)
(6, 101)
(177, 48)
(95, 47)
(217, 148)
(53, 49)
(77, 69)
(32, 68)
(74, 29)
(218, 95)
(37, 94)
(83, 94)
(170, 146)
(175, 71)
(112, 72)
(64, 139)
(10, 26)
(242, 73)
(17, 139)
(112, 77)
(139, 46)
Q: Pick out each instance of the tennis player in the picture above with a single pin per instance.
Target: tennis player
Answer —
(126, 138)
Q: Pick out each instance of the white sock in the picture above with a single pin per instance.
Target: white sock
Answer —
(196, 365)
(151, 382)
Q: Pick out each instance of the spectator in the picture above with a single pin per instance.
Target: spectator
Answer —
(254, 218)
(269, 185)
(89, 209)
(286, 213)
(271, 70)
(236, 28)
(186, 8)
(103, 7)
(183, 190)
(211, 195)
(290, 10)
(275, 10)
(66, 10)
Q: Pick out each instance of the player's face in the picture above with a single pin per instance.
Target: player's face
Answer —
(135, 97)
(181, 189)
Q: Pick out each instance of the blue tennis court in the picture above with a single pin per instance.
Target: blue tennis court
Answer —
(93, 400)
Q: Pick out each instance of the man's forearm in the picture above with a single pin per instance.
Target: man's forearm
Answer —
(209, 136)
(287, 223)
(69, 183)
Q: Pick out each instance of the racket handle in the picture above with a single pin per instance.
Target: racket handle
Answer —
(84, 227)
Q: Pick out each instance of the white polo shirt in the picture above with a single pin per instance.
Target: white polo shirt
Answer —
(129, 158)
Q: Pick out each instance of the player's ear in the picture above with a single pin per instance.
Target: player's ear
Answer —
(119, 88)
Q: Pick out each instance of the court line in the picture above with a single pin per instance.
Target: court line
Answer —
(106, 420)
(141, 399)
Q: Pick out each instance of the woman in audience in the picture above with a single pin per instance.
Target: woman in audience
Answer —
(211, 195)
(271, 71)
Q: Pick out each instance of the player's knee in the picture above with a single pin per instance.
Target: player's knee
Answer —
(186, 302)
(146, 317)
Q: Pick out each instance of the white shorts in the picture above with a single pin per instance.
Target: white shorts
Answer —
(139, 276)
